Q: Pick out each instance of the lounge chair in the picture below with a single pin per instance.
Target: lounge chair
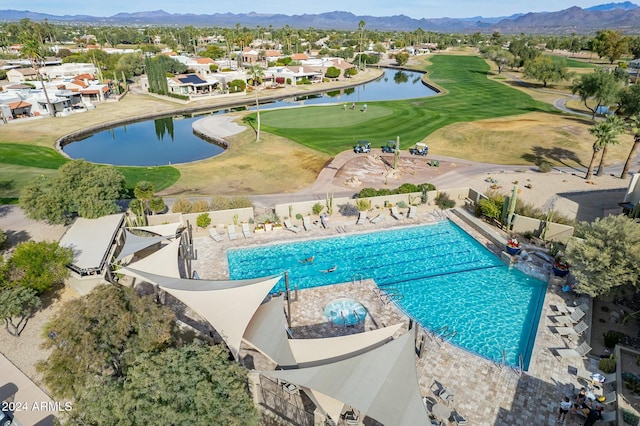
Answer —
(580, 352)
(232, 232)
(610, 417)
(246, 231)
(412, 212)
(587, 375)
(575, 317)
(306, 223)
(568, 310)
(214, 234)
(609, 398)
(376, 219)
(395, 213)
(576, 330)
(458, 418)
(290, 226)
(362, 218)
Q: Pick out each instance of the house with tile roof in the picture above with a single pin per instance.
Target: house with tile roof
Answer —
(20, 75)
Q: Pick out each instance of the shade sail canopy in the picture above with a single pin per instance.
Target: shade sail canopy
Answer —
(381, 383)
(166, 229)
(162, 262)
(91, 241)
(134, 243)
(227, 305)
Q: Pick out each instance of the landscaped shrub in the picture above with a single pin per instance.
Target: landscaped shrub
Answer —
(3, 238)
(317, 208)
(611, 338)
(363, 204)
(203, 220)
(182, 205)
(402, 204)
(444, 201)
(630, 418)
(405, 188)
(298, 216)
(488, 208)
(426, 186)
(348, 210)
(607, 365)
(544, 167)
(199, 206)
(240, 202)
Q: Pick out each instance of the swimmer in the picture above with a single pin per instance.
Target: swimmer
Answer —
(332, 269)
(308, 260)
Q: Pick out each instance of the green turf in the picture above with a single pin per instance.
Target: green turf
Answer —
(573, 63)
(471, 96)
(19, 164)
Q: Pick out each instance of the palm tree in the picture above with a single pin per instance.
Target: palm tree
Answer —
(257, 74)
(603, 132)
(33, 49)
(634, 125)
(617, 126)
(361, 25)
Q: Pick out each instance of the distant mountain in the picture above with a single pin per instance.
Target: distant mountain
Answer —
(627, 5)
(623, 16)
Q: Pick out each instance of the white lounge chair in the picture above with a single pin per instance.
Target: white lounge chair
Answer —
(395, 213)
(246, 231)
(609, 398)
(214, 234)
(580, 352)
(575, 317)
(586, 375)
(376, 219)
(609, 417)
(290, 226)
(232, 232)
(568, 310)
(459, 419)
(306, 223)
(576, 330)
(362, 218)
(412, 212)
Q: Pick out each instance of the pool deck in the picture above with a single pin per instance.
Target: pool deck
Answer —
(485, 392)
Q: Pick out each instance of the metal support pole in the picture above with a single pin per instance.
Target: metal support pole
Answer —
(286, 286)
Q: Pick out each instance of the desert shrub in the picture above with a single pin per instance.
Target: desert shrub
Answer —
(426, 186)
(488, 208)
(240, 202)
(444, 201)
(298, 216)
(406, 188)
(348, 210)
(611, 338)
(3, 238)
(363, 204)
(269, 218)
(199, 206)
(402, 204)
(317, 208)
(182, 205)
(203, 220)
(607, 365)
(219, 202)
(544, 167)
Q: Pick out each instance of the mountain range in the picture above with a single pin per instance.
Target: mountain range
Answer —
(621, 16)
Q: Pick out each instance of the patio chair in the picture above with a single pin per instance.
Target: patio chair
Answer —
(376, 219)
(306, 223)
(362, 218)
(395, 213)
(214, 234)
(610, 417)
(568, 310)
(609, 398)
(587, 375)
(574, 331)
(246, 231)
(575, 317)
(458, 418)
(232, 232)
(412, 212)
(290, 226)
(580, 352)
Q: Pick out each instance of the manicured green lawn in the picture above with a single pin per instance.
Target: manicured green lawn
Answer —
(573, 63)
(470, 96)
(20, 163)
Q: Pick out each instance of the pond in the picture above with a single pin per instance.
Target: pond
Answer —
(170, 140)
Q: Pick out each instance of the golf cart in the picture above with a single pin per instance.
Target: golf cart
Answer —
(420, 149)
(390, 147)
(362, 147)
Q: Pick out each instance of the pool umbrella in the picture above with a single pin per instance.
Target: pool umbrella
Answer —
(512, 207)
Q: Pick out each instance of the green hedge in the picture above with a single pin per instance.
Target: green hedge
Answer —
(405, 188)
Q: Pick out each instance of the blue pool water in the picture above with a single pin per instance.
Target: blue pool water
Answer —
(442, 276)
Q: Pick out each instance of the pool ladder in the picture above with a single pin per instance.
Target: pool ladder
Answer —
(388, 296)
(444, 334)
(357, 279)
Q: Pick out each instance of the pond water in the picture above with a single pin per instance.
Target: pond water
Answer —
(170, 140)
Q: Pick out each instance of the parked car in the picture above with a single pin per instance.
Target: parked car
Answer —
(362, 147)
(390, 147)
(6, 418)
(420, 149)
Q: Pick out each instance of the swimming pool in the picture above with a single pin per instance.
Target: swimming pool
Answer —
(440, 274)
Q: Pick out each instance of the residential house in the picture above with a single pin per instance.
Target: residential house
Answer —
(632, 197)
(67, 70)
(191, 85)
(292, 74)
(20, 75)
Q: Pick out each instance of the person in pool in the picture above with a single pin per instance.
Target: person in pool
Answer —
(332, 269)
(308, 260)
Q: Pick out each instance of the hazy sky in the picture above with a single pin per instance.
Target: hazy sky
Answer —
(413, 8)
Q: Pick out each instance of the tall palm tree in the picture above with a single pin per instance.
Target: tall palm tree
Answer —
(634, 125)
(603, 131)
(617, 127)
(257, 73)
(33, 48)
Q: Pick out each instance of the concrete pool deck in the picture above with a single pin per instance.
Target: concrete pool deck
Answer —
(485, 392)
